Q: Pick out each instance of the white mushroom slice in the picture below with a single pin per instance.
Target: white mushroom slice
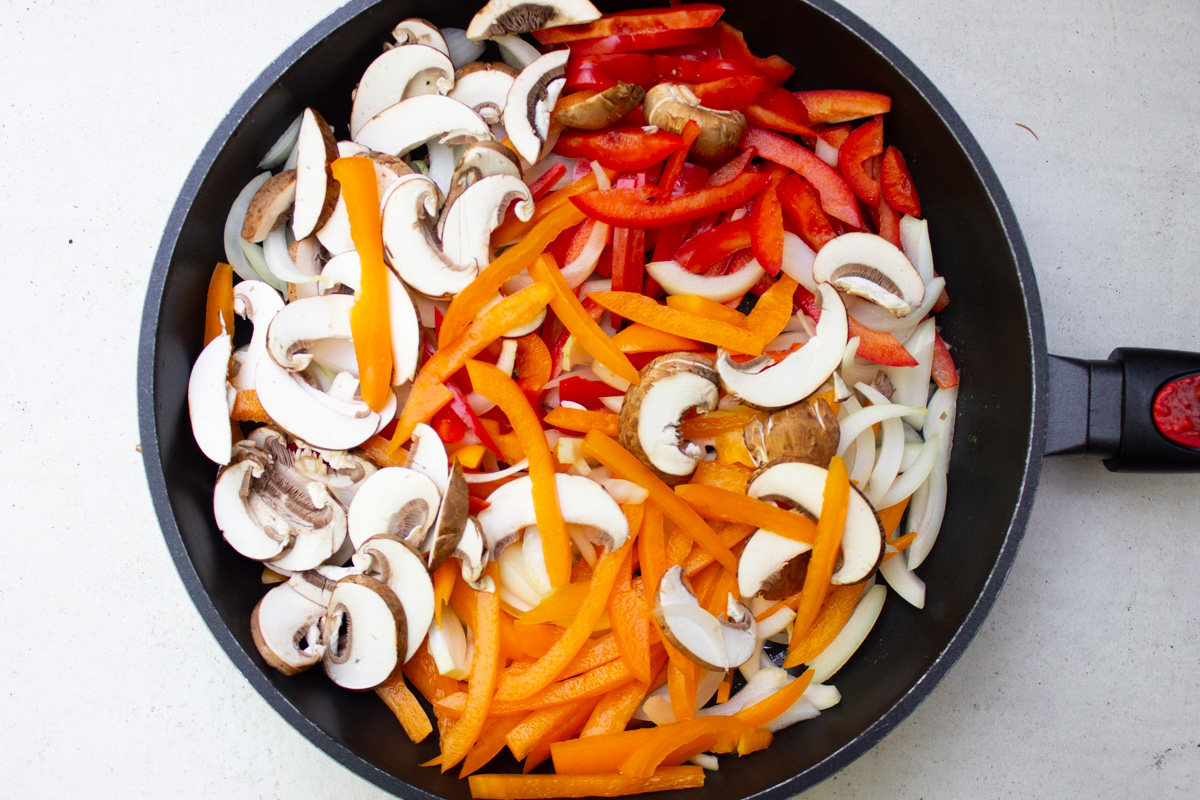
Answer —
(269, 206)
(319, 418)
(484, 87)
(363, 633)
(314, 543)
(402, 72)
(870, 266)
(427, 455)
(802, 486)
(478, 161)
(407, 125)
(316, 190)
(210, 399)
(410, 240)
(583, 502)
(300, 323)
(720, 288)
(762, 564)
(451, 520)
(335, 235)
(472, 553)
(764, 383)
(671, 106)
(396, 564)
(396, 501)
(466, 236)
(286, 628)
(415, 30)
(713, 644)
(671, 386)
(535, 561)
(531, 101)
(318, 584)
(252, 536)
(500, 17)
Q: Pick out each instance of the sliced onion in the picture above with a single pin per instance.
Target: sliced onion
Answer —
(279, 152)
(896, 572)
(914, 476)
(912, 383)
(878, 319)
(462, 50)
(279, 260)
(822, 696)
(254, 255)
(515, 579)
(844, 645)
(911, 451)
(930, 521)
(851, 372)
(854, 424)
(625, 492)
(515, 51)
(914, 241)
(827, 152)
(940, 422)
(233, 230)
(602, 181)
(891, 450)
(798, 261)
(719, 288)
(580, 268)
(488, 477)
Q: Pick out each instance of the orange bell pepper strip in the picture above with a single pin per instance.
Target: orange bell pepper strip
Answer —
(533, 726)
(652, 550)
(535, 638)
(561, 604)
(218, 310)
(731, 477)
(732, 534)
(682, 687)
(835, 611)
(535, 787)
(404, 704)
(732, 450)
(502, 390)
(378, 450)
(510, 646)
(679, 741)
(248, 408)
(825, 550)
(534, 365)
(901, 542)
(429, 393)
(581, 421)
(630, 623)
(467, 303)
(579, 322)
(423, 672)
(615, 709)
(723, 504)
(640, 308)
(890, 517)
(462, 735)
(780, 701)
(710, 426)
(773, 310)
(723, 585)
(445, 578)
(703, 307)
(600, 753)
(369, 317)
(569, 728)
(639, 338)
(549, 666)
(724, 688)
(491, 742)
(513, 230)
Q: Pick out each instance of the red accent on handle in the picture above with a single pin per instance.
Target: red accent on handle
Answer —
(1177, 411)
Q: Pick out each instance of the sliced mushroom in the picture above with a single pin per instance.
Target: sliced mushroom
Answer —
(671, 105)
(530, 102)
(334, 235)
(270, 206)
(803, 432)
(484, 87)
(410, 240)
(427, 455)
(871, 267)
(603, 108)
(415, 30)
(766, 566)
(451, 519)
(396, 501)
(302, 322)
(478, 161)
(407, 125)
(716, 644)
(364, 633)
(802, 486)
(397, 564)
(210, 399)
(259, 303)
(472, 552)
(318, 584)
(402, 72)
(671, 386)
(500, 17)
(764, 383)
(286, 628)
(469, 222)
(316, 190)
(582, 501)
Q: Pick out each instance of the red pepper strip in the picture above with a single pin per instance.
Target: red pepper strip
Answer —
(733, 45)
(836, 197)
(875, 346)
(864, 142)
(642, 207)
(702, 251)
(545, 182)
(641, 21)
(218, 312)
(629, 246)
(671, 238)
(461, 409)
(450, 428)
(889, 221)
(701, 70)
(843, 105)
(642, 41)
(666, 183)
(897, 183)
(604, 71)
(944, 371)
(586, 393)
(369, 316)
(624, 149)
(735, 93)
(779, 110)
(734, 167)
(802, 212)
(836, 135)
(766, 227)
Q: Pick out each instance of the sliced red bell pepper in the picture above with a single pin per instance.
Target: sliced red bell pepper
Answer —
(644, 208)
(604, 71)
(733, 167)
(734, 93)
(889, 221)
(701, 252)
(449, 427)
(875, 346)
(779, 110)
(674, 166)
(897, 184)
(624, 149)
(691, 70)
(671, 238)
(545, 182)
(585, 392)
(640, 42)
(766, 226)
(802, 212)
(733, 45)
(843, 105)
(836, 135)
(863, 142)
(459, 407)
(629, 248)
(836, 197)
(944, 371)
(639, 21)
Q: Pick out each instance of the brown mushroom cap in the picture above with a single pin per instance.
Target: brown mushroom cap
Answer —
(671, 105)
(270, 206)
(601, 109)
(803, 432)
(451, 518)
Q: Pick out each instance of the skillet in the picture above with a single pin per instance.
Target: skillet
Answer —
(997, 457)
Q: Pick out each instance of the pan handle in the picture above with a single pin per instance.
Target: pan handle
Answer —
(1139, 410)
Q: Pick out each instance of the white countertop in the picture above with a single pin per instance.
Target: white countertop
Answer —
(1082, 683)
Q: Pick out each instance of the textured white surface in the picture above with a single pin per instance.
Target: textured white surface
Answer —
(1082, 683)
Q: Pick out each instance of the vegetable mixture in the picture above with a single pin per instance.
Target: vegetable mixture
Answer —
(582, 395)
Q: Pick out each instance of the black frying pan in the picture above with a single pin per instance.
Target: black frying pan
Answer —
(1006, 421)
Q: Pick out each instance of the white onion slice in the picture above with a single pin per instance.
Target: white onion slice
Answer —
(283, 147)
(896, 572)
(913, 477)
(930, 521)
(914, 241)
(798, 261)
(625, 492)
(822, 696)
(720, 288)
(462, 50)
(854, 424)
(827, 152)
(515, 51)
(580, 268)
(891, 450)
(844, 645)
(912, 383)
(233, 230)
(879, 319)
(279, 260)
(940, 422)
(488, 477)
(254, 255)
(911, 451)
